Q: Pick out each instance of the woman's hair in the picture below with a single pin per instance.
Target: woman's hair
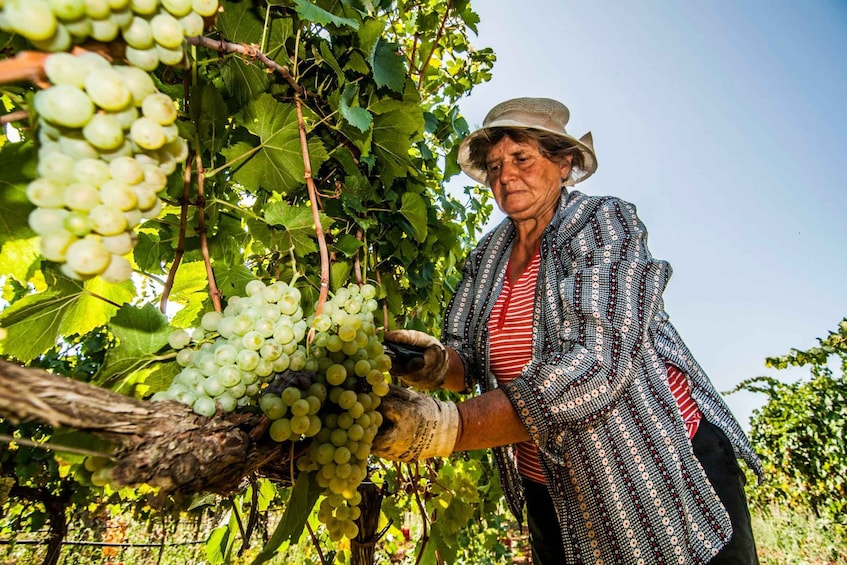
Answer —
(553, 146)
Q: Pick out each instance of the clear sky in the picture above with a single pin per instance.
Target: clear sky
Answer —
(725, 122)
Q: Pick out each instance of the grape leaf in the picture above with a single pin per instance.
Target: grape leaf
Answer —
(414, 209)
(309, 11)
(389, 65)
(15, 161)
(302, 499)
(36, 321)
(19, 258)
(359, 118)
(276, 163)
(141, 333)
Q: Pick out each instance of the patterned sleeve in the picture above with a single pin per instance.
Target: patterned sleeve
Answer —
(601, 290)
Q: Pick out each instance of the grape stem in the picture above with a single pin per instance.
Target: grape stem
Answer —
(251, 51)
(14, 117)
(316, 213)
(180, 245)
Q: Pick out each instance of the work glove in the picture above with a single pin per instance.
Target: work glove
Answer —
(415, 426)
(417, 358)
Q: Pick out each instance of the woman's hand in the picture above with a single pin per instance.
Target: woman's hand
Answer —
(415, 426)
(425, 371)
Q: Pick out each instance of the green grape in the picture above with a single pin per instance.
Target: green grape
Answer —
(64, 105)
(144, 7)
(226, 402)
(46, 193)
(54, 245)
(126, 169)
(205, 8)
(88, 257)
(74, 145)
(177, 8)
(118, 271)
(167, 31)
(160, 108)
(119, 195)
(103, 132)
(280, 430)
(192, 24)
(107, 89)
(204, 406)
(178, 339)
(229, 375)
(47, 220)
(77, 224)
(122, 16)
(80, 28)
(213, 386)
(104, 30)
(147, 134)
(64, 68)
(139, 34)
(97, 9)
(108, 220)
(119, 244)
(336, 374)
(32, 19)
(247, 360)
(171, 56)
(67, 10)
(252, 340)
(91, 172)
(145, 59)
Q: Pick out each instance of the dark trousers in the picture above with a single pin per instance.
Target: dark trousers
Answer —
(714, 451)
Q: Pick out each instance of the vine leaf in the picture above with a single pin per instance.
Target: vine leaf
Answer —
(309, 11)
(277, 165)
(413, 209)
(141, 332)
(397, 124)
(191, 288)
(14, 206)
(20, 258)
(388, 65)
(36, 322)
(298, 224)
(304, 494)
(359, 118)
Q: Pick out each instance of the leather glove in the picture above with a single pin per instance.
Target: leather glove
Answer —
(415, 426)
(425, 371)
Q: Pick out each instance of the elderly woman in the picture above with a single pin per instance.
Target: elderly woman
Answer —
(604, 425)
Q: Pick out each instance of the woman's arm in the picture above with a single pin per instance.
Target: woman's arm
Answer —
(488, 420)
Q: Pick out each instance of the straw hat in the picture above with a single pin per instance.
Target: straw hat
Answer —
(531, 113)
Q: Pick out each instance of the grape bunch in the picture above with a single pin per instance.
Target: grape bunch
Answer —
(154, 30)
(350, 374)
(248, 354)
(107, 143)
(236, 352)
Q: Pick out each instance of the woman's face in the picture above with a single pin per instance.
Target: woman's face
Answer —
(525, 183)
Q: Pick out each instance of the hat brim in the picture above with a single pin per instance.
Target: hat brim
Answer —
(584, 144)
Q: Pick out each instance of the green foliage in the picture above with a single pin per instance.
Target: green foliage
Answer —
(799, 433)
(377, 85)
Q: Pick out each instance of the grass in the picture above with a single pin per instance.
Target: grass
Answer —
(786, 536)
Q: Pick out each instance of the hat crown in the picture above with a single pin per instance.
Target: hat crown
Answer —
(540, 113)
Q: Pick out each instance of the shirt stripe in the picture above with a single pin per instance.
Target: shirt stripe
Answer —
(510, 346)
(681, 391)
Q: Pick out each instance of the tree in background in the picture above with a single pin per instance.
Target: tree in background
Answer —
(799, 433)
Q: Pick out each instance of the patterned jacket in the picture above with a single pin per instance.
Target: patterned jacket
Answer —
(595, 398)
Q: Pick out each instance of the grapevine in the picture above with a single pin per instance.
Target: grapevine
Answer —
(246, 356)
(108, 141)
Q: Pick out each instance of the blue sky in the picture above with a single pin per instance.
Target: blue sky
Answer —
(725, 122)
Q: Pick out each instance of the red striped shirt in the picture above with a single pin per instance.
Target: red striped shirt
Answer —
(678, 381)
(510, 349)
